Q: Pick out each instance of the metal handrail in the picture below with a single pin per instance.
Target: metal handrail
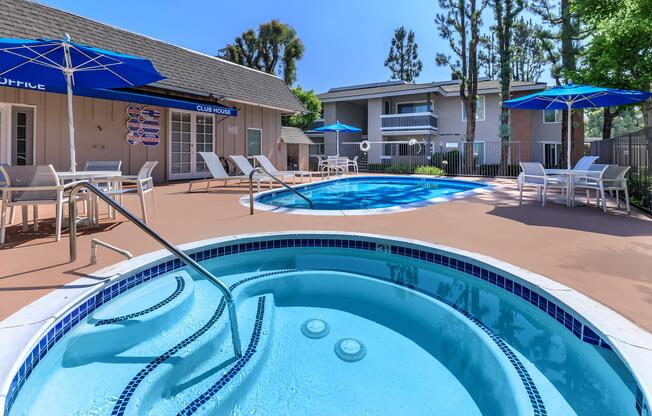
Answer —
(95, 242)
(288, 187)
(74, 190)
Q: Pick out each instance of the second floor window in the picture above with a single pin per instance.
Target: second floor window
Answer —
(479, 110)
(552, 116)
(406, 108)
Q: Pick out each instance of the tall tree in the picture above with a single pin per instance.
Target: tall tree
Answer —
(274, 49)
(488, 55)
(312, 104)
(403, 59)
(620, 52)
(561, 39)
(528, 58)
(505, 11)
(460, 26)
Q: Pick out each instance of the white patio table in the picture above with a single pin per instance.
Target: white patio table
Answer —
(93, 176)
(570, 175)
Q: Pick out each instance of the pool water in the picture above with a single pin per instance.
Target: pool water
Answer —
(369, 192)
(458, 346)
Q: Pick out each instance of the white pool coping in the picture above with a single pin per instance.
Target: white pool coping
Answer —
(485, 187)
(24, 328)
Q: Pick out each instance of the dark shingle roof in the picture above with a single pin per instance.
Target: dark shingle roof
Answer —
(393, 88)
(185, 70)
(293, 135)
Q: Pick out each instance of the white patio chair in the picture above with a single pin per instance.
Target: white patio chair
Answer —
(610, 178)
(352, 164)
(101, 165)
(332, 164)
(269, 167)
(139, 185)
(534, 175)
(245, 167)
(31, 186)
(585, 162)
(215, 172)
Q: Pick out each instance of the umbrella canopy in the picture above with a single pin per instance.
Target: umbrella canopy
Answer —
(73, 65)
(572, 96)
(338, 127)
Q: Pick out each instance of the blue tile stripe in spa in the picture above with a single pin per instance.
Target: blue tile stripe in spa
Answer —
(181, 284)
(235, 368)
(79, 313)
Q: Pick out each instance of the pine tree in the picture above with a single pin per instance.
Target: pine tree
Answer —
(403, 59)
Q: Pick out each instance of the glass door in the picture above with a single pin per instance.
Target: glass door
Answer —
(189, 133)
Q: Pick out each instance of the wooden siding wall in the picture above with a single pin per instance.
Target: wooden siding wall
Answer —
(100, 130)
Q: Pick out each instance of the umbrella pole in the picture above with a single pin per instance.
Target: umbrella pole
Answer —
(337, 142)
(71, 126)
(568, 144)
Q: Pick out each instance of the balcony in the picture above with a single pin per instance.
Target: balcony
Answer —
(409, 122)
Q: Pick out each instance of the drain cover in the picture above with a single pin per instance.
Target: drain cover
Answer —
(351, 350)
(315, 328)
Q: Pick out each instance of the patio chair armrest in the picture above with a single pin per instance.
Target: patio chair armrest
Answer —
(32, 188)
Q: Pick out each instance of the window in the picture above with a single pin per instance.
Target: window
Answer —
(479, 110)
(254, 142)
(552, 116)
(406, 108)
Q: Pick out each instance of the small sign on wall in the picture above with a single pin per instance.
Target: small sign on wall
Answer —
(232, 129)
(144, 124)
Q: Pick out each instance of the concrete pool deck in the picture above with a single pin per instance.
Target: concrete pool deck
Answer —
(605, 256)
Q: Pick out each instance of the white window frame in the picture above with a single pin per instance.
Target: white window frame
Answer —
(477, 114)
(247, 141)
(557, 112)
(193, 144)
(6, 151)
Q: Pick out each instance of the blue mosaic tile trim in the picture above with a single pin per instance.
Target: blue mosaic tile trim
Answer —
(63, 326)
(181, 284)
(565, 318)
(235, 369)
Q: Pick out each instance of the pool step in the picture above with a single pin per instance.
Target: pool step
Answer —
(207, 375)
(133, 317)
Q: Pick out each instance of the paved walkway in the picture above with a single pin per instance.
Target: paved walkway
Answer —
(607, 257)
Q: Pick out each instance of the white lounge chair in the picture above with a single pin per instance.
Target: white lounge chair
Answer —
(610, 178)
(31, 186)
(535, 175)
(215, 172)
(245, 167)
(353, 163)
(269, 167)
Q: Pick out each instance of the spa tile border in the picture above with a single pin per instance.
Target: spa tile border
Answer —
(82, 310)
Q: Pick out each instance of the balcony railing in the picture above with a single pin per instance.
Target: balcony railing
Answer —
(408, 121)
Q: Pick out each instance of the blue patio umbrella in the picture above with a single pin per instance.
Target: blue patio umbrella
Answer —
(63, 63)
(572, 96)
(338, 127)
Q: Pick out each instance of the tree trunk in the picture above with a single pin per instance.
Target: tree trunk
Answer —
(607, 121)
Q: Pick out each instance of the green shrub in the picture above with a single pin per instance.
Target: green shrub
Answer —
(429, 170)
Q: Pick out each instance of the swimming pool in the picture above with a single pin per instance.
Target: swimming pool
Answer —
(363, 195)
(331, 324)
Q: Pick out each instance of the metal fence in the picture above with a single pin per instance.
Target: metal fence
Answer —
(635, 150)
(456, 158)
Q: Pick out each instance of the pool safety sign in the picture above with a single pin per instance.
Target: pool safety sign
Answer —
(144, 124)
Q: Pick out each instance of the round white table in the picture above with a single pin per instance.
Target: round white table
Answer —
(93, 176)
(570, 175)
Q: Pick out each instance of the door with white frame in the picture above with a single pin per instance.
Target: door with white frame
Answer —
(17, 134)
(190, 133)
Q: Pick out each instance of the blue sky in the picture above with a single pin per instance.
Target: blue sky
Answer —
(346, 41)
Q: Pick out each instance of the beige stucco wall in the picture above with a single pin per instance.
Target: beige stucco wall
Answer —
(100, 130)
